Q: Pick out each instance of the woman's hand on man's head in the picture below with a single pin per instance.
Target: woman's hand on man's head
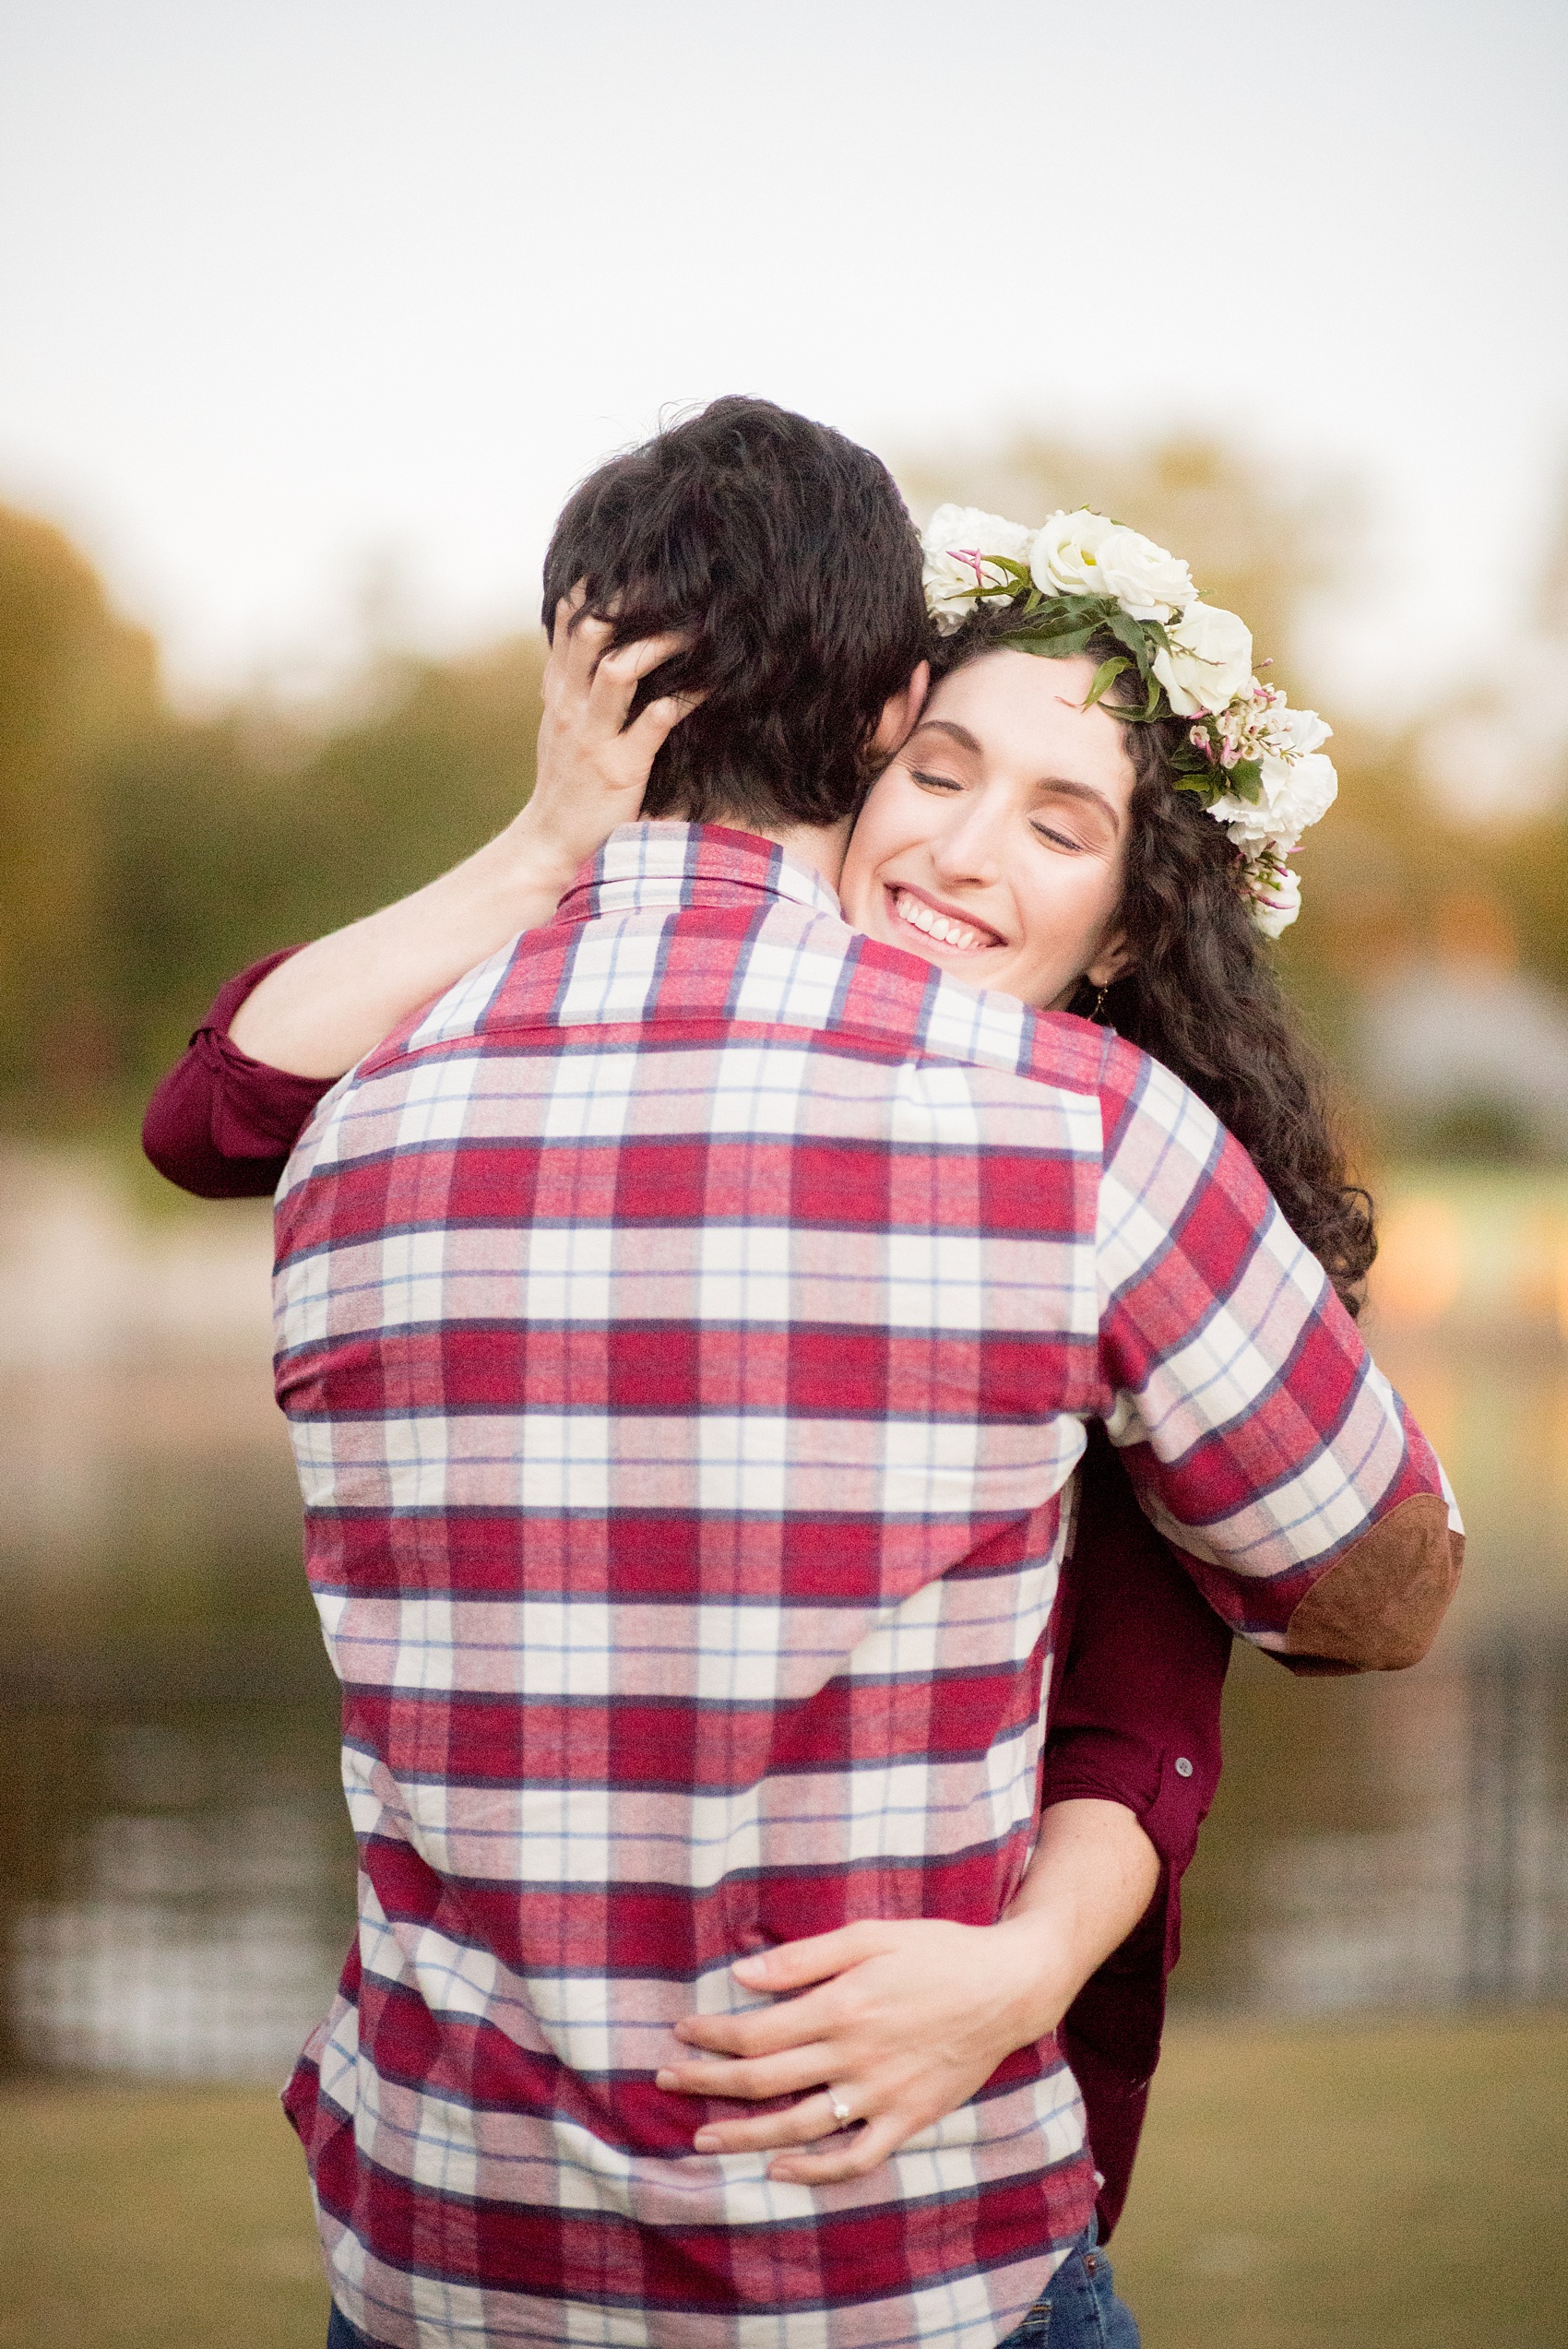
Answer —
(593, 767)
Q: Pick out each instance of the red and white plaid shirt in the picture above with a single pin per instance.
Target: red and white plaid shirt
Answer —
(687, 1329)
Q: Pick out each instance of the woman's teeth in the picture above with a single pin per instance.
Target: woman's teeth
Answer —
(940, 927)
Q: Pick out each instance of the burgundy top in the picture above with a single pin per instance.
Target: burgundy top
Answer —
(1141, 1659)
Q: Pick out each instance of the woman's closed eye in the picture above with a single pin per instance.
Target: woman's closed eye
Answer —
(1058, 839)
(929, 781)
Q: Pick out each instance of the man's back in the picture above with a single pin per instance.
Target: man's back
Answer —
(687, 1333)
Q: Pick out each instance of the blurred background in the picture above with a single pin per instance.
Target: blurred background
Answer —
(310, 317)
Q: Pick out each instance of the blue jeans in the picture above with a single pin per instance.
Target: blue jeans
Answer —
(1078, 2309)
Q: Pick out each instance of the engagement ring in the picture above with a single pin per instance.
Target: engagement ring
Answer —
(839, 2109)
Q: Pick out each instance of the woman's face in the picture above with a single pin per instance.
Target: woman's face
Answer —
(995, 842)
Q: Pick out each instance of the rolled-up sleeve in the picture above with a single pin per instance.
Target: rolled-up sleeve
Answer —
(1264, 1443)
(221, 1124)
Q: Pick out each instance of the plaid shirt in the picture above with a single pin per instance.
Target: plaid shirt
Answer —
(687, 1331)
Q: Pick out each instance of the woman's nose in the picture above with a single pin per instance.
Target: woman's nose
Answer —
(969, 848)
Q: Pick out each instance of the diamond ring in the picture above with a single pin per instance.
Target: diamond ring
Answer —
(839, 2109)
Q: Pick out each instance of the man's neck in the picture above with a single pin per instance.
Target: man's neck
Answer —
(820, 847)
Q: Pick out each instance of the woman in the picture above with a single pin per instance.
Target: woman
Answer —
(1024, 876)
(1053, 828)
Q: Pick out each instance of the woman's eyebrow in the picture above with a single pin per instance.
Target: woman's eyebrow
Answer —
(960, 735)
(1062, 788)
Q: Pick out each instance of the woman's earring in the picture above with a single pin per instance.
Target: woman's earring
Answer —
(1098, 1005)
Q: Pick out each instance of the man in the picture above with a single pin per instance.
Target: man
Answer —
(687, 1329)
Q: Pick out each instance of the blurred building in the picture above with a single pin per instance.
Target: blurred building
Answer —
(1462, 1049)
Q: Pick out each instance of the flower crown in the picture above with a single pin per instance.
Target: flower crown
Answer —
(1256, 765)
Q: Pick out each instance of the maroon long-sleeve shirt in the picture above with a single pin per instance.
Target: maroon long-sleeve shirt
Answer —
(1141, 1659)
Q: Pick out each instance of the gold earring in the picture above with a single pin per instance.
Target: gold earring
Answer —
(1098, 1005)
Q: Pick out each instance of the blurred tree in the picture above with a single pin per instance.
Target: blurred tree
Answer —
(222, 841)
(75, 679)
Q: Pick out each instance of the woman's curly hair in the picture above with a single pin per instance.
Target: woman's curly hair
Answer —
(1201, 993)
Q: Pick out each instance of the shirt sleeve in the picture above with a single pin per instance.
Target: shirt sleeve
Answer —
(1134, 1718)
(219, 1124)
(1262, 1441)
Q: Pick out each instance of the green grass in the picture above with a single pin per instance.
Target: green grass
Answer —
(1377, 2186)
(1390, 2186)
(164, 2218)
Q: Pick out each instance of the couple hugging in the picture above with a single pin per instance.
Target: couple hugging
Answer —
(796, 1373)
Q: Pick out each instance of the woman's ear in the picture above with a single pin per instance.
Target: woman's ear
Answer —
(1114, 961)
(899, 712)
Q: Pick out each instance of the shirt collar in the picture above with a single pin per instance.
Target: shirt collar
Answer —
(646, 865)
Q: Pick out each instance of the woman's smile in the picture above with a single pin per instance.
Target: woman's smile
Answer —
(937, 924)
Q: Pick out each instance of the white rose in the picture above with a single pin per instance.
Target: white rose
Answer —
(1292, 794)
(1275, 892)
(1065, 558)
(1303, 730)
(1147, 583)
(1299, 790)
(957, 540)
(1210, 660)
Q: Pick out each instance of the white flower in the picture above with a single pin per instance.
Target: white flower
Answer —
(1276, 892)
(1292, 794)
(1147, 583)
(1210, 660)
(1065, 558)
(1303, 730)
(960, 543)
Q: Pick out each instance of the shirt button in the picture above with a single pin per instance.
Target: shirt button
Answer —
(1183, 1767)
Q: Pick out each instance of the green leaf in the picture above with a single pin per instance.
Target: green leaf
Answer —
(1106, 676)
(1245, 778)
(1202, 788)
(1187, 759)
(1054, 643)
(1130, 633)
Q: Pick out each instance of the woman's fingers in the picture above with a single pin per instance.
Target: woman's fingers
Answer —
(578, 645)
(765, 2031)
(792, 1965)
(590, 682)
(849, 2155)
(802, 2124)
(621, 669)
(780, 2075)
(653, 727)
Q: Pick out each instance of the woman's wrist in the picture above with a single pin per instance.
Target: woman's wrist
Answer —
(1028, 1961)
(538, 856)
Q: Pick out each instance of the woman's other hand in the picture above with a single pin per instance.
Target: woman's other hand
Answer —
(906, 2020)
(592, 767)
(902, 2022)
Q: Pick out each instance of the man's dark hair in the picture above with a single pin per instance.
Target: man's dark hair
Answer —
(788, 554)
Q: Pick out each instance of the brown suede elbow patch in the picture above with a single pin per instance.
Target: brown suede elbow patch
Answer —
(1377, 1609)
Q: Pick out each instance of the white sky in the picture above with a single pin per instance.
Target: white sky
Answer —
(290, 285)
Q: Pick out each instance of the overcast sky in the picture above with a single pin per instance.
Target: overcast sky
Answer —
(288, 286)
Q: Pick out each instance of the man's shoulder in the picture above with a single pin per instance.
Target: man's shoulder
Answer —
(701, 971)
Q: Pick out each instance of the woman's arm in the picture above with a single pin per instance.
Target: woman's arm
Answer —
(221, 1124)
(1140, 1671)
(326, 1006)
(223, 1121)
